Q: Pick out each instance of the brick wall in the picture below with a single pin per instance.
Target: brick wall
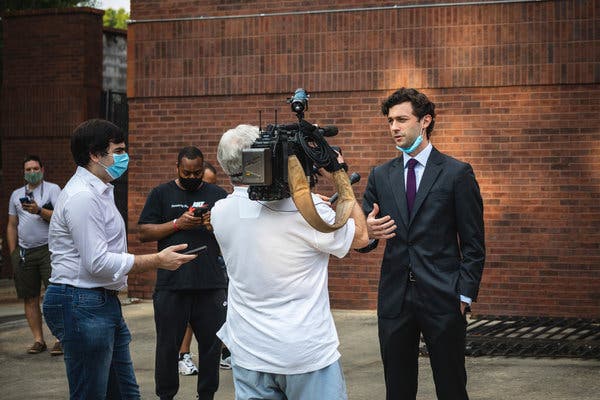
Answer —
(453, 46)
(516, 87)
(52, 80)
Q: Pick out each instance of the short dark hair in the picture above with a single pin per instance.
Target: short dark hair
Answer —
(210, 167)
(94, 137)
(32, 157)
(189, 152)
(421, 105)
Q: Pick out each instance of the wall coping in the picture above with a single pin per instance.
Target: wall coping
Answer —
(52, 11)
(114, 31)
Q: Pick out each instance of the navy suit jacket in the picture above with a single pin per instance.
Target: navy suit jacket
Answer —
(442, 242)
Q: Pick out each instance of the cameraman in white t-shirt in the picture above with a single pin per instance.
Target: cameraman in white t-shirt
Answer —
(279, 326)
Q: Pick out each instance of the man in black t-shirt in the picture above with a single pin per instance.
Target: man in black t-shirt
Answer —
(196, 292)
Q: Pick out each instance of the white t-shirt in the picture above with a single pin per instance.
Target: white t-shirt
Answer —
(32, 229)
(278, 315)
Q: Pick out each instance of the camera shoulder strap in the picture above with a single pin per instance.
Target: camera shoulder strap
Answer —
(303, 199)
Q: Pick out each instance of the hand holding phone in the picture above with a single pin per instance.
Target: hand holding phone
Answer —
(197, 250)
(199, 212)
(199, 208)
(25, 200)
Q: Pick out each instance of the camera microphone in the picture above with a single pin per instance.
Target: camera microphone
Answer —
(355, 177)
(299, 102)
(307, 127)
(303, 125)
(328, 130)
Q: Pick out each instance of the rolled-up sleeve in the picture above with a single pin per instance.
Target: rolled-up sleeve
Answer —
(337, 242)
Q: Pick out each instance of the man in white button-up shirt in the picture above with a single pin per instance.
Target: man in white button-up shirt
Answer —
(90, 264)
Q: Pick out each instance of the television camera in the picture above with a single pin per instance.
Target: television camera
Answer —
(265, 164)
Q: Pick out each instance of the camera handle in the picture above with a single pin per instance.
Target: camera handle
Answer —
(303, 198)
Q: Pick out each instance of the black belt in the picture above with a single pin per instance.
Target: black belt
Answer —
(110, 292)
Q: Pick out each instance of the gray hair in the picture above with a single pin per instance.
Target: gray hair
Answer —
(229, 152)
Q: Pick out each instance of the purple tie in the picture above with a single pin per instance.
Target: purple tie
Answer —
(411, 184)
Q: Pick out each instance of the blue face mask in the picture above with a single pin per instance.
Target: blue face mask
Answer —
(413, 146)
(121, 161)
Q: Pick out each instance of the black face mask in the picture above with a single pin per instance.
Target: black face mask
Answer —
(190, 183)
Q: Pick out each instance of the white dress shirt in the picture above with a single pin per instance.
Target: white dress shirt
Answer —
(422, 158)
(87, 237)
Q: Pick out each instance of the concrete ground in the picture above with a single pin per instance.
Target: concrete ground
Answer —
(41, 376)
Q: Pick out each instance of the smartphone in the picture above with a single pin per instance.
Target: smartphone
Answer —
(199, 212)
(197, 250)
(25, 200)
(200, 208)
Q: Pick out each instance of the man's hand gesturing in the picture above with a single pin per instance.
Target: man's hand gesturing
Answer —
(380, 228)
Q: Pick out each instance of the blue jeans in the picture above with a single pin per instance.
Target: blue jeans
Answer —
(325, 383)
(95, 339)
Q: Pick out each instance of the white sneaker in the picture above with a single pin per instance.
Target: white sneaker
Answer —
(187, 366)
(225, 363)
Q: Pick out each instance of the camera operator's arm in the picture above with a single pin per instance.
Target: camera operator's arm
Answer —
(361, 235)
(152, 232)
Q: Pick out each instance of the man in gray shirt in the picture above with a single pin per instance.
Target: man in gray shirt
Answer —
(29, 211)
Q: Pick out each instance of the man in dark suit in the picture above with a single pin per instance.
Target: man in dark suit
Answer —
(428, 207)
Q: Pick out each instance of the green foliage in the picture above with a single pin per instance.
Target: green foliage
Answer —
(115, 18)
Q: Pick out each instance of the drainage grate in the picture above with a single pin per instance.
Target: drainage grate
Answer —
(533, 337)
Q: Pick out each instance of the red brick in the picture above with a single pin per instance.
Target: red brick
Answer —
(516, 88)
(52, 81)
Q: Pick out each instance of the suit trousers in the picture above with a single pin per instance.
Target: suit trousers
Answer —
(444, 335)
